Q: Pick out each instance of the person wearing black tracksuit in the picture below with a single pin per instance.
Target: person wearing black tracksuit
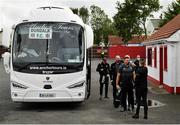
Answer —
(126, 76)
(104, 70)
(114, 71)
(141, 89)
(135, 66)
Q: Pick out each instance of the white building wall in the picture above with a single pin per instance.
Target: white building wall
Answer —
(171, 77)
(168, 76)
(177, 79)
(0, 38)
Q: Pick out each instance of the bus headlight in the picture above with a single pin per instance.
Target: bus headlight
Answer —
(18, 85)
(76, 85)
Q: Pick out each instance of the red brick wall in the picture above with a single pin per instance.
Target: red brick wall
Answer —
(133, 51)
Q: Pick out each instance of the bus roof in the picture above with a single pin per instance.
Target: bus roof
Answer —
(53, 14)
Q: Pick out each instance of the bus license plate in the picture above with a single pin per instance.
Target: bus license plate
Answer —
(47, 95)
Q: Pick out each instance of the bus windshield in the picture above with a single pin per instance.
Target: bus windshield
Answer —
(46, 47)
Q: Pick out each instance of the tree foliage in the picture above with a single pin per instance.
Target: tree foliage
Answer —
(132, 15)
(75, 10)
(101, 24)
(172, 11)
(126, 20)
(145, 9)
(84, 14)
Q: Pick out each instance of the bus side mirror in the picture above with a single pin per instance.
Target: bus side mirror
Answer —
(6, 61)
(89, 36)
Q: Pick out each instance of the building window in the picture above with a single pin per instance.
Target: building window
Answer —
(165, 59)
(155, 57)
(149, 54)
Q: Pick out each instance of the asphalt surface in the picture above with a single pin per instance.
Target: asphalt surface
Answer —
(91, 111)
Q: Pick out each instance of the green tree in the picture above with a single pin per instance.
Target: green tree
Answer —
(101, 24)
(84, 14)
(172, 11)
(126, 20)
(75, 10)
(145, 9)
(132, 15)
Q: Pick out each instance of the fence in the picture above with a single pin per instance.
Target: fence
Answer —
(132, 51)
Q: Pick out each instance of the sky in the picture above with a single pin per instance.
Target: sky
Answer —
(11, 10)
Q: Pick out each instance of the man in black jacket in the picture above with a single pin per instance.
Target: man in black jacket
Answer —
(114, 71)
(104, 70)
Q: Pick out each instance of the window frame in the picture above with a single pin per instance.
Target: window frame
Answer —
(165, 66)
(149, 59)
(155, 57)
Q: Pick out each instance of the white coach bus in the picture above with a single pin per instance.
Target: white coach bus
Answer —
(48, 59)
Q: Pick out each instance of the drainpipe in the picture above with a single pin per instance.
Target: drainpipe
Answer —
(175, 69)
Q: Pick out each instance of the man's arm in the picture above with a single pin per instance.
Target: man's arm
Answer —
(98, 67)
(117, 80)
(134, 76)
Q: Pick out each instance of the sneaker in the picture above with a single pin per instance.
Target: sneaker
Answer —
(106, 97)
(135, 116)
(145, 117)
(123, 110)
(100, 98)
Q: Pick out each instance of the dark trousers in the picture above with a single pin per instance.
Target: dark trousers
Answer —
(124, 92)
(102, 83)
(141, 99)
(131, 98)
(114, 89)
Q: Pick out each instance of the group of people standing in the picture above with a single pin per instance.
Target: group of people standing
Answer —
(125, 76)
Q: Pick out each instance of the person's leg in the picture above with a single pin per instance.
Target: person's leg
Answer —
(138, 101)
(130, 98)
(101, 87)
(106, 90)
(144, 98)
(123, 98)
(114, 90)
(106, 87)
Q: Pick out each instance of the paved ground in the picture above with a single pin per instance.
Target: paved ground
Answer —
(91, 111)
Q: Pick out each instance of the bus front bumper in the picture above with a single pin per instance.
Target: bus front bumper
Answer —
(48, 96)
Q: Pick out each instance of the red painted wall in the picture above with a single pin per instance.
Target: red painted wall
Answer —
(133, 51)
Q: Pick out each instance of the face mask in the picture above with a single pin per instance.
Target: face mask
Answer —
(138, 58)
(104, 61)
(117, 61)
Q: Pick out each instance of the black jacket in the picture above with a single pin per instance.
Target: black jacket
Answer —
(114, 70)
(141, 77)
(103, 68)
